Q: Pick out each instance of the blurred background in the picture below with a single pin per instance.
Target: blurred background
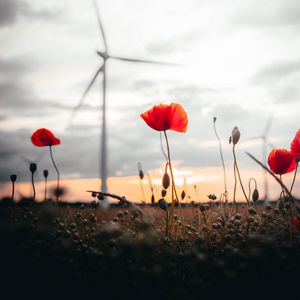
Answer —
(239, 62)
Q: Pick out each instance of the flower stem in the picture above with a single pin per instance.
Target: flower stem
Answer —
(13, 191)
(295, 174)
(58, 175)
(171, 170)
(222, 158)
(142, 189)
(45, 189)
(33, 186)
(239, 175)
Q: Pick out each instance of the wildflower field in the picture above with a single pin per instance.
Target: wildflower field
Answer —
(158, 250)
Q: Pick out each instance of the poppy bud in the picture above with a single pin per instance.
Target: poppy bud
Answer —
(255, 195)
(215, 119)
(166, 181)
(46, 173)
(163, 193)
(32, 167)
(235, 136)
(163, 204)
(141, 174)
(13, 178)
(152, 199)
(182, 195)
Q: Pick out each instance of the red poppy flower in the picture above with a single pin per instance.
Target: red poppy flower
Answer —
(44, 137)
(281, 161)
(296, 224)
(295, 145)
(166, 117)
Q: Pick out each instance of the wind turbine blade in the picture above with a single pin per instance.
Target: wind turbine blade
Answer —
(84, 95)
(145, 61)
(268, 125)
(100, 25)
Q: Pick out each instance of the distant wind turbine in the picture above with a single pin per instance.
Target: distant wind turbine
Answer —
(264, 138)
(105, 55)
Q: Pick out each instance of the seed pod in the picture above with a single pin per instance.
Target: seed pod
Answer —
(46, 173)
(32, 167)
(141, 174)
(163, 193)
(13, 178)
(163, 204)
(140, 169)
(255, 195)
(182, 195)
(235, 136)
(166, 180)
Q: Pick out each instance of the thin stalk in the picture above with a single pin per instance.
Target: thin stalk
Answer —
(58, 175)
(239, 175)
(235, 184)
(46, 189)
(173, 185)
(162, 148)
(13, 191)
(222, 158)
(33, 186)
(142, 189)
(171, 169)
(294, 178)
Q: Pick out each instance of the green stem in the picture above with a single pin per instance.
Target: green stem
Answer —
(58, 175)
(295, 174)
(222, 158)
(13, 191)
(142, 189)
(33, 186)
(45, 189)
(239, 175)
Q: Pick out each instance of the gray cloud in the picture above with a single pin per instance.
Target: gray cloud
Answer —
(276, 13)
(277, 70)
(11, 10)
(15, 94)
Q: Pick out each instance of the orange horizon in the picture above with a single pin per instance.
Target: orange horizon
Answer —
(207, 180)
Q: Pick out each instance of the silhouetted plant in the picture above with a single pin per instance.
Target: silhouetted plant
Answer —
(13, 179)
(32, 169)
(141, 177)
(44, 137)
(45, 173)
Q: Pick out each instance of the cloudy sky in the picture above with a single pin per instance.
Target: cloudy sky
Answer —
(239, 61)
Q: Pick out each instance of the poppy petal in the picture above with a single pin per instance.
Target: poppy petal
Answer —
(281, 161)
(295, 145)
(44, 137)
(166, 117)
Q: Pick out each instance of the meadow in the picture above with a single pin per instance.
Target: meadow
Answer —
(217, 247)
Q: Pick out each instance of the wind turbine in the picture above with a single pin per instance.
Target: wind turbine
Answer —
(264, 138)
(105, 56)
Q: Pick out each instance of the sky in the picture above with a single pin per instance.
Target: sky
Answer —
(238, 61)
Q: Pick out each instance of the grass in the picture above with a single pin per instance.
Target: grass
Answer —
(123, 251)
